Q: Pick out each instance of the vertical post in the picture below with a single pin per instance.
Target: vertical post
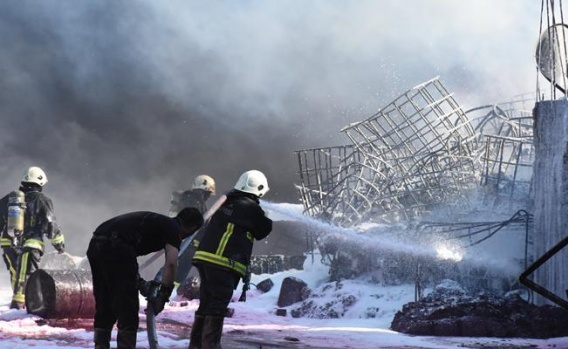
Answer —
(550, 178)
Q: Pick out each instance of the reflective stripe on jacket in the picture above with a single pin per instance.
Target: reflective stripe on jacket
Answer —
(5, 242)
(33, 243)
(229, 236)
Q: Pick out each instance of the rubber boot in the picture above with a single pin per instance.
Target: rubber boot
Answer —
(102, 338)
(126, 339)
(212, 332)
(17, 305)
(196, 331)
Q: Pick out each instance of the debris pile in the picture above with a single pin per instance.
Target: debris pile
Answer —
(424, 156)
(450, 311)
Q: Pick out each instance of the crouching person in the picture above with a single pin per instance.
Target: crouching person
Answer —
(224, 254)
(113, 253)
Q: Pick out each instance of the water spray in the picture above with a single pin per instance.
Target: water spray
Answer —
(396, 252)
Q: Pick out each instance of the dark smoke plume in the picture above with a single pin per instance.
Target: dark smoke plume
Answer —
(123, 102)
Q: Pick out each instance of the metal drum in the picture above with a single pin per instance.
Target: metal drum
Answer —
(55, 294)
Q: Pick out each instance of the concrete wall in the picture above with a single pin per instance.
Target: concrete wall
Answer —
(551, 194)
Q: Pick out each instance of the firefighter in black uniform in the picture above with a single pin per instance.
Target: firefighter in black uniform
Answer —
(22, 251)
(202, 188)
(113, 253)
(224, 253)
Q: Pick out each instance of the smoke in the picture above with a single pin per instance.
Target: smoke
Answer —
(122, 103)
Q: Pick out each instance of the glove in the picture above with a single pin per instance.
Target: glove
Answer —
(60, 248)
(157, 300)
(246, 286)
(147, 288)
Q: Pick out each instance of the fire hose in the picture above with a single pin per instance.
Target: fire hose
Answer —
(150, 289)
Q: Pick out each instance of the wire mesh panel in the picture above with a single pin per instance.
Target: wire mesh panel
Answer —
(502, 120)
(363, 193)
(425, 119)
(508, 166)
(418, 153)
(426, 142)
(323, 173)
(505, 134)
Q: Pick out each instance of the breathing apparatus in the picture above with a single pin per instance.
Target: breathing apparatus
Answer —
(16, 211)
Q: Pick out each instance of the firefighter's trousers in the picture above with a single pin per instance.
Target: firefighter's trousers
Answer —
(115, 274)
(216, 289)
(21, 263)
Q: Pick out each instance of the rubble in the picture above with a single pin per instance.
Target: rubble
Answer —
(293, 290)
(270, 264)
(189, 288)
(451, 311)
(330, 310)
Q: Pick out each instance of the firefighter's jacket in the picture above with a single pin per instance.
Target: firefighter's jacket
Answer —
(188, 198)
(39, 221)
(229, 236)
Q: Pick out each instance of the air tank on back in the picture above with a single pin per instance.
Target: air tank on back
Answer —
(16, 211)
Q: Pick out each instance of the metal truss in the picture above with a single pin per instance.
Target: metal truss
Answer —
(416, 153)
(505, 135)
(507, 166)
(329, 183)
(420, 152)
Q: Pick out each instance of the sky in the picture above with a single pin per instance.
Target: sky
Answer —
(122, 103)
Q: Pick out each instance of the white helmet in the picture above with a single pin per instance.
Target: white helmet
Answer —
(253, 182)
(204, 182)
(35, 175)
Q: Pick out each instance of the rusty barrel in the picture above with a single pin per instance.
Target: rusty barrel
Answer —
(56, 294)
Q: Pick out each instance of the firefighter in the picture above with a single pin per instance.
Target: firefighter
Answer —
(202, 188)
(112, 255)
(224, 253)
(23, 249)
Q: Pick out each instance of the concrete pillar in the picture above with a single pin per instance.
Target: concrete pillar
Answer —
(551, 194)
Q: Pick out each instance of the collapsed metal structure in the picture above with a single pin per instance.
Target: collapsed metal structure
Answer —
(420, 152)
